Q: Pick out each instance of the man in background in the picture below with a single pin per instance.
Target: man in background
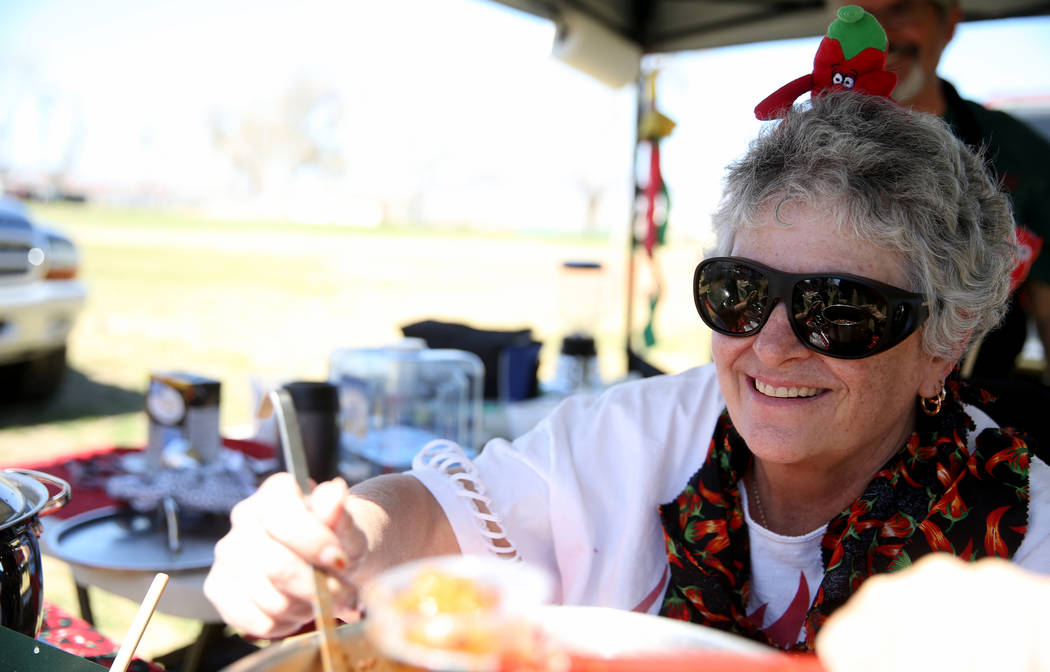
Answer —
(918, 32)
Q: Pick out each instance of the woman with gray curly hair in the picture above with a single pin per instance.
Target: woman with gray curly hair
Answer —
(860, 248)
(905, 187)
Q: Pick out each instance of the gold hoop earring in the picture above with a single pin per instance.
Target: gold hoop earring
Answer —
(932, 405)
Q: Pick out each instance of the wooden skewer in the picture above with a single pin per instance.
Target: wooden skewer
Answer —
(332, 656)
(138, 625)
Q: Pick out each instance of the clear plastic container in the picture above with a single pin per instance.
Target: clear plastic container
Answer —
(393, 401)
(456, 612)
(582, 289)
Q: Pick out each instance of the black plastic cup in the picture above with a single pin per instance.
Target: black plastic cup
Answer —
(317, 409)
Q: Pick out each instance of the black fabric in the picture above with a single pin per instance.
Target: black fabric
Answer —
(1020, 158)
(1001, 346)
(486, 344)
(1024, 404)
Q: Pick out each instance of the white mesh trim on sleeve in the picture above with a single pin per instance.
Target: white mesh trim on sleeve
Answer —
(447, 458)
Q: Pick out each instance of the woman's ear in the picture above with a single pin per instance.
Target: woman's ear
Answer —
(936, 372)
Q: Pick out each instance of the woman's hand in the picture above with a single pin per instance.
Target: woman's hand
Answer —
(942, 614)
(262, 580)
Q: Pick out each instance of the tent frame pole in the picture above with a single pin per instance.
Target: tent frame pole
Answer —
(631, 220)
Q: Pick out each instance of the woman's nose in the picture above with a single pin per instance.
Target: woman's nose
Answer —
(776, 342)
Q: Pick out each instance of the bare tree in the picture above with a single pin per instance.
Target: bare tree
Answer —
(51, 120)
(299, 131)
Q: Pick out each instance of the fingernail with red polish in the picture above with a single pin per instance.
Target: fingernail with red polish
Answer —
(333, 556)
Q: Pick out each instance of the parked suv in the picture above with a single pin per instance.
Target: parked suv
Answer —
(40, 297)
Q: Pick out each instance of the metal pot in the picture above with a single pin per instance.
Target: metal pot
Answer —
(303, 654)
(24, 497)
(595, 631)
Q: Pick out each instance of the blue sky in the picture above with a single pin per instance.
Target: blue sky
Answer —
(453, 109)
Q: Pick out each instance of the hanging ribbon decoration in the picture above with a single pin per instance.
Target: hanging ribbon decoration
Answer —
(653, 127)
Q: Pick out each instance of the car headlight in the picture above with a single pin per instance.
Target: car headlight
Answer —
(63, 262)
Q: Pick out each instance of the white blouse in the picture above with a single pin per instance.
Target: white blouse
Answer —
(601, 538)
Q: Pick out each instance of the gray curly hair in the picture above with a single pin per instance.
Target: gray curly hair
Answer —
(900, 180)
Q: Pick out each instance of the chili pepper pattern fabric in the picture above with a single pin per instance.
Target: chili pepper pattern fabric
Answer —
(76, 636)
(932, 496)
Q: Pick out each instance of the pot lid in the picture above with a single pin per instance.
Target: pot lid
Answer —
(21, 497)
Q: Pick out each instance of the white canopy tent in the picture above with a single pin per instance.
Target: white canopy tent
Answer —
(607, 39)
(660, 26)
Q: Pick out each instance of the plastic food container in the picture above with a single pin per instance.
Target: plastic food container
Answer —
(394, 401)
(462, 613)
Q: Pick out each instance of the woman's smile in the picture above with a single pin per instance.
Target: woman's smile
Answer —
(786, 391)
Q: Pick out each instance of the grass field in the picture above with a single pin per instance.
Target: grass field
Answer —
(269, 301)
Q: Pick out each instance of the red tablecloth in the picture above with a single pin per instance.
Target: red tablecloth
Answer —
(86, 473)
(77, 636)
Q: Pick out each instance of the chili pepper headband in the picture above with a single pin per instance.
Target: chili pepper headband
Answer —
(852, 55)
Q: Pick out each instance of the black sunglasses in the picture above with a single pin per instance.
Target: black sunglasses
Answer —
(843, 316)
